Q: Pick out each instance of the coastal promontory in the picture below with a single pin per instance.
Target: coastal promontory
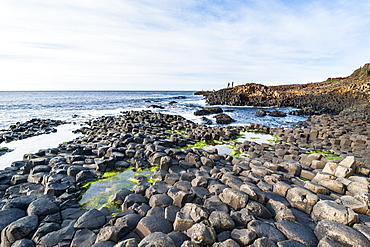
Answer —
(348, 96)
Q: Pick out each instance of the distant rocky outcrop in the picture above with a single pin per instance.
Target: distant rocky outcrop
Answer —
(331, 96)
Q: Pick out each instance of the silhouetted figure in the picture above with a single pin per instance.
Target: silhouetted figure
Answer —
(232, 84)
(228, 84)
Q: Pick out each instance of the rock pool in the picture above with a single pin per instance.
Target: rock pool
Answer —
(98, 192)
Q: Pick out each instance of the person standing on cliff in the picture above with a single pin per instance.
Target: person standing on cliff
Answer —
(232, 84)
(228, 84)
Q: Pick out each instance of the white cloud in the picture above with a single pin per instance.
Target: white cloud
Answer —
(128, 45)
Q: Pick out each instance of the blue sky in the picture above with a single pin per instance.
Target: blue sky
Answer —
(178, 45)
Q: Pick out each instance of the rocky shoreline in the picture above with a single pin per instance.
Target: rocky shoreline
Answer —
(28, 129)
(294, 192)
(348, 96)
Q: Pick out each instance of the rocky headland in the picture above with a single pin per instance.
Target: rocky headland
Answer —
(348, 96)
(310, 187)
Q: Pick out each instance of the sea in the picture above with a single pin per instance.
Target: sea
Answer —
(77, 107)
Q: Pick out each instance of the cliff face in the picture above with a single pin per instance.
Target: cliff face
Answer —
(331, 96)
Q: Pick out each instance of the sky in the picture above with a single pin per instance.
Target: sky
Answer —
(178, 45)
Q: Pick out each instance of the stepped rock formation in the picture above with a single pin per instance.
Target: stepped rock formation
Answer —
(348, 94)
(310, 187)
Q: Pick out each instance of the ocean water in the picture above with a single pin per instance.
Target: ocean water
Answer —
(77, 107)
(81, 105)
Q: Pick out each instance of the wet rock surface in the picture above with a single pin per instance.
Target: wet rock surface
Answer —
(30, 128)
(280, 194)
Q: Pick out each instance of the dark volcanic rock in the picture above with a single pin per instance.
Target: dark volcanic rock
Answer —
(160, 200)
(202, 112)
(297, 232)
(361, 111)
(221, 221)
(44, 229)
(112, 233)
(156, 106)
(42, 206)
(178, 238)
(244, 237)
(206, 121)
(157, 239)
(261, 113)
(201, 233)
(235, 198)
(213, 199)
(151, 224)
(10, 215)
(104, 244)
(340, 233)
(277, 114)
(57, 237)
(19, 229)
(92, 219)
(84, 238)
(23, 243)
(266, 230)
(130, 220)
(224, 119)
(119, 196)
(214, 109)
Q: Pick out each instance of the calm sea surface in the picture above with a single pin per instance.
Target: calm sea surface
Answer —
(80, 106)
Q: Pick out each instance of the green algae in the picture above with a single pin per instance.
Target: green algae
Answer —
(99, 192)
(326, 154)
(201, 144)
(217, 142)
(258, 131)
(177, 131)
(180, 132)
(236, 152)
(239, 136)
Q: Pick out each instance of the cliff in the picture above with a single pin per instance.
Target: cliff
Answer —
(331, 96)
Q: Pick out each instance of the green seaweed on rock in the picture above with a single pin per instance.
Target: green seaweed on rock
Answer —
(177, 131)
(258, 131)
(236, 152)
(217, 142)
(240, 136)
(201, 144)
(326, 154)
(98, 192)
(180, 132)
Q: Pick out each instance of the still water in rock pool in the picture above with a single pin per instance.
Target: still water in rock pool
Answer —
(100, 191)
(259, 138)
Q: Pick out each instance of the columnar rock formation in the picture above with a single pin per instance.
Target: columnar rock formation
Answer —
(278, 194)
